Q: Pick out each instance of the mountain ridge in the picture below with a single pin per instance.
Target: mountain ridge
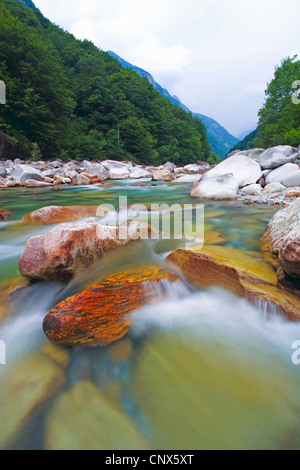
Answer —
(221, 141)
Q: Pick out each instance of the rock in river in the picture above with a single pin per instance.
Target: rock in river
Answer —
(57, 214)
(23, 388)
(98, 315)
(283, 235)
(223, 187)
(245, 170)
(59, 253)
(238, 272)
(96, 424)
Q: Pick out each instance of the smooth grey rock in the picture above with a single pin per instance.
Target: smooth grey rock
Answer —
(245, 170)
(222, 187)
(95, 169)
(279, 174)
(23, 173)
(139, 173)
(277, 156)
(188, 179)
(274, 188)
(3, 172)
(169, 166)
(292, 180)
(193, 168)
(252, 190)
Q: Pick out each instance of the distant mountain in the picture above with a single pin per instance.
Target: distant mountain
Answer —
(220, 140)
(28, 3)
(248, 141)
(245, 133)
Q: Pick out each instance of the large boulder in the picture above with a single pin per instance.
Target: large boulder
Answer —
(162, 175)
(117, 170)
(98, 315)
(95, 169)
(59, 253)
(245, 170)
(139, 173)
(23, 173)
(283, 236)
(222, 187)
(278, 156)
(292, 180)
(79, 179)
(238, 272)
(279, 174)
(251, 153)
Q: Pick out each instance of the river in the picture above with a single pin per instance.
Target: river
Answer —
(200, 370)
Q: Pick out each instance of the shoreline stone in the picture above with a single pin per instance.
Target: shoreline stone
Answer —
(283, 238)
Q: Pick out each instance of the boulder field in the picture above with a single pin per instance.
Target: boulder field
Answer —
(256, 175)
(19, 173)
(267, 176)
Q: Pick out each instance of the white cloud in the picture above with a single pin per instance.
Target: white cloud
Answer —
(257, 89)
(215, 55)
(84, 29)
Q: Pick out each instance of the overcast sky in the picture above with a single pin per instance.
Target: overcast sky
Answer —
(215, 55)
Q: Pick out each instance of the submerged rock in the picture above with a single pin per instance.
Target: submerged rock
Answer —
(23, 388)
(5, 215)
(84, 407)
(98, 315)
(237, 271)
(215, 390)
(57, 214)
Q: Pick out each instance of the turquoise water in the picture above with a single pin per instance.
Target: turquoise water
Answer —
(200, 370)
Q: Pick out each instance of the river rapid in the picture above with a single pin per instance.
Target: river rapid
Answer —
(200, 370)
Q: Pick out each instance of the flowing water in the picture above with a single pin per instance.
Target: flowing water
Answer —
(200, 370)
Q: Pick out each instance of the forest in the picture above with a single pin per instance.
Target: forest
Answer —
(68, 99)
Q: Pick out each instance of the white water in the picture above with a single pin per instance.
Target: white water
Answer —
(217, 315)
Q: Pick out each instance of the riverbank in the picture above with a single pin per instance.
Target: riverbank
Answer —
(270, 177)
